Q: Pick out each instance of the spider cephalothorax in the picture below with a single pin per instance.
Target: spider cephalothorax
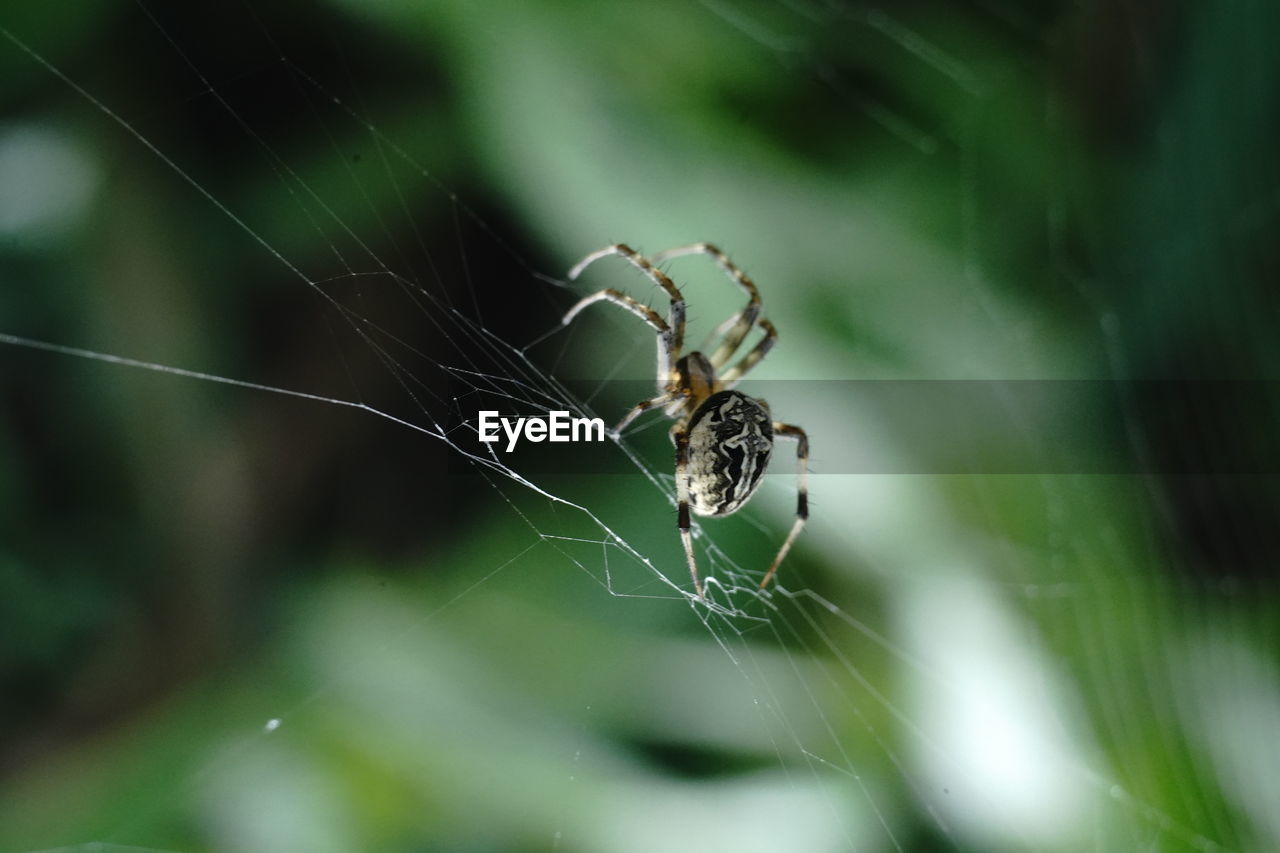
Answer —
(723, 438)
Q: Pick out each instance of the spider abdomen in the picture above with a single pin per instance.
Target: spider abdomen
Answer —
(730, 440)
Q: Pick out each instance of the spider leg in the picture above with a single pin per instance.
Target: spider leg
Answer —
(733, 375)
(738, 326)
(644, 312)
(676, 314)
(644, 406)
(802, 493)
(681, 438)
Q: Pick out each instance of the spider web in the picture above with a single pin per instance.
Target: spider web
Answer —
(354, 626)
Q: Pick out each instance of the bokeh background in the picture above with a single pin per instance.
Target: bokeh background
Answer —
(232, 619)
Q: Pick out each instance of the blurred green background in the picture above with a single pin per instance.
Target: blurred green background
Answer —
(238, 620)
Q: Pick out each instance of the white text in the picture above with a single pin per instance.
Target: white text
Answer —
(557, 426)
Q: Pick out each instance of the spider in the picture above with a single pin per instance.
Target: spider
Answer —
(723, 438)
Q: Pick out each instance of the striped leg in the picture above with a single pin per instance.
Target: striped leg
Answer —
(802, 492)
(681, 440)
(666, 336)
(676, 314)
(733, 375)
(736, 328)
(644, 406)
